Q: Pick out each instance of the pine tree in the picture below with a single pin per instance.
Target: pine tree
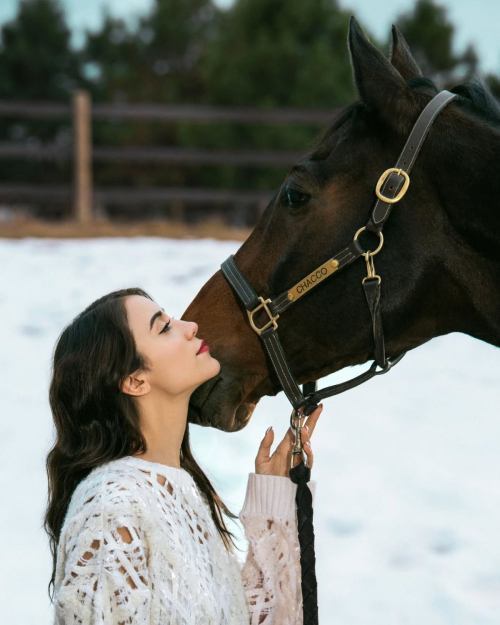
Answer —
(37, 63)
(430, 35)
(281, 53)
(159, 61)
(36, 60)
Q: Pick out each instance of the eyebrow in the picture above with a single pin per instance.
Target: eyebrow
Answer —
(154, 317)
(304, 171)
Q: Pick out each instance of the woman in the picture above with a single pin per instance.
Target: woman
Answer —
(136, 529)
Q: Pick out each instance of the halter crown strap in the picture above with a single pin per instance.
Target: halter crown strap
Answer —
(406, 159)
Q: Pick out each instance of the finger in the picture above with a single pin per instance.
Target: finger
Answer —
(315, 411)
(305, 435)
(285, 446)
(309, 454)
(265, 445)
(313, 418)
(289, 438)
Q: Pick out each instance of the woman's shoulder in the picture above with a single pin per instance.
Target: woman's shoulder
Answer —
(126, 482)
(109, 490)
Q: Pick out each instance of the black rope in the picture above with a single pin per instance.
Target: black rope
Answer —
(300, 475)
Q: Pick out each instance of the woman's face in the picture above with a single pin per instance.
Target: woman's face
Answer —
(176, 368)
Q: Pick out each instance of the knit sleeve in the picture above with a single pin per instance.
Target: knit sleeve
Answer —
(271, 574)
(105, 578)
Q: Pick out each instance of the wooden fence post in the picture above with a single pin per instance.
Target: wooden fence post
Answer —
(177, 211)
(82, 146)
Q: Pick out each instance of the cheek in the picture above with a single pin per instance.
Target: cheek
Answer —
(175, 356)
(173, 365)
(169, 352)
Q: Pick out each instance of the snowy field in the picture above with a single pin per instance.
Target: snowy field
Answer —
(407, 512)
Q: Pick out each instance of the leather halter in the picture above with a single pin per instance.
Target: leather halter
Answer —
(390, 188)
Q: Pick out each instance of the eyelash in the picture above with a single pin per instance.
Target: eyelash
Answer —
(166, 328)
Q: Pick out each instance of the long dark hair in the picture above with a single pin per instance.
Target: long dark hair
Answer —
(95, 421)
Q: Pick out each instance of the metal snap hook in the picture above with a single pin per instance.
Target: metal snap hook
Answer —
(295, 418)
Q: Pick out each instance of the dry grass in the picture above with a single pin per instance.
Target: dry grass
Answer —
(20, 226)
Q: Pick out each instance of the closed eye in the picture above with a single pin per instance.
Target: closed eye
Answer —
(166, 327)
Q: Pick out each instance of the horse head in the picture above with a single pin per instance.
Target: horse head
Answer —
(439, 264)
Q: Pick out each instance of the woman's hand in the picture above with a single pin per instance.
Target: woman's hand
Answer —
(279, 462)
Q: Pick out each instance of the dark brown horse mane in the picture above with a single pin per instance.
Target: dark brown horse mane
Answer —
(474, 97)
(478, 100)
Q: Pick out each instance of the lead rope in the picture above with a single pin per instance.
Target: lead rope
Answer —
(301, 475)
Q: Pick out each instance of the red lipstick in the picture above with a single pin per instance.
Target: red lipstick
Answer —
(203, 348)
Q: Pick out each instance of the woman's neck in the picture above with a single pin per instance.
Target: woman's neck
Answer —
(163, 424)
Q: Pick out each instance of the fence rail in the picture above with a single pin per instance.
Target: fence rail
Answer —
(82, 153)
(128, 196)
(182, 156)
(168, 112)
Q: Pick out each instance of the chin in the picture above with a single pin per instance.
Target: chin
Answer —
(211, 368)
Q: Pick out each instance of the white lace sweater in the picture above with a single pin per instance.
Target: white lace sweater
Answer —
(139, 545)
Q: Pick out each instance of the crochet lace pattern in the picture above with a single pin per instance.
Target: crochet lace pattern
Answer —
(139, 545)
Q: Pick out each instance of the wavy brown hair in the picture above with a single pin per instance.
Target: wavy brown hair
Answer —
(95, 422)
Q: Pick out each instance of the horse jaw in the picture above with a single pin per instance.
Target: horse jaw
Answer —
(217, 403)
(227, 400)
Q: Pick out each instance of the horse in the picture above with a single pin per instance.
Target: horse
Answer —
(440, 264)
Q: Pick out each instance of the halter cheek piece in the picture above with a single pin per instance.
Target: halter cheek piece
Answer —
(391, 188)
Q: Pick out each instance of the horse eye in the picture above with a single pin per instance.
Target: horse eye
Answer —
(293, 198)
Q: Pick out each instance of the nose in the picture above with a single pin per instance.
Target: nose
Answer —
(193, 329)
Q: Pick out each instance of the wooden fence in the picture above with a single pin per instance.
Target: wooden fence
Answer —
(82, 195)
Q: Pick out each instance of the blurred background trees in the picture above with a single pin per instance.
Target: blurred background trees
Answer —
(36, 60)
(257, 53)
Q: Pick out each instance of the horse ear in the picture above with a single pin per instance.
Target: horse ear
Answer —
(379, 84)
(400, 56)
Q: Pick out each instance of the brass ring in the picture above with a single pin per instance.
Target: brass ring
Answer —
(380, 236)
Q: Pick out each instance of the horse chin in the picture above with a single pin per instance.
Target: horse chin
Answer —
(217, 403)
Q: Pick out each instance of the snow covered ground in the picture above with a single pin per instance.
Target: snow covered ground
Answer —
(407, 513)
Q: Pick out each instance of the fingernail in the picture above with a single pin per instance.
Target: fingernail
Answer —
(321, 406)
(308, 444)
(307, 428)
(268, 429)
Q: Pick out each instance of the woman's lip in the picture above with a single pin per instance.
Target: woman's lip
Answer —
(204, 348)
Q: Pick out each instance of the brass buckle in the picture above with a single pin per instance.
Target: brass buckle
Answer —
(392, 200)
(272, 320)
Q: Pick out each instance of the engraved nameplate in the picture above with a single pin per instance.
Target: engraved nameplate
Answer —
(314, 278)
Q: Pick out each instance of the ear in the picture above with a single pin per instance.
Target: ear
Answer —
(400, 56)
(379, 84)
(135, 385)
